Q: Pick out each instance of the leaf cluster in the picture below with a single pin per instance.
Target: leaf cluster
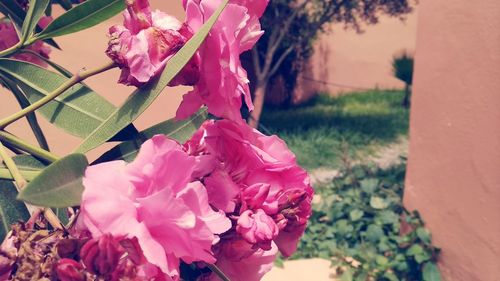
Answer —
(402, 67)
(362, 226)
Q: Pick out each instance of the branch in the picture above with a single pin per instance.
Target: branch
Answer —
(275, 40)
(280, 60)
(256, 61)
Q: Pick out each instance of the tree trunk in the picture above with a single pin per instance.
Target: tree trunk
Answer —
(258, 103)
(406, 100)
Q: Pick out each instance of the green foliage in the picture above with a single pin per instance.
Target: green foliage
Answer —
(179, 130)
(35, 12)
(327, 127)
(361, 223)
(142, 98)
(83, 16)
(59, 185)
(11, 210)
(402, 67)
(78, 111)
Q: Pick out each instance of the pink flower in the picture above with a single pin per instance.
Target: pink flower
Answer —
(101, 256)
(259, 177)
(223, 81)
(257, 228)
(145, 43)
(9, 38)
(69, 270)
(152, 200)
(240, 262)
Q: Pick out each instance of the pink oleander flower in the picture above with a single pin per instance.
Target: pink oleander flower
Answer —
(267, 194)
(9, 38)
(69, 270)
(143, 45)
(240, 262)
(101, 256)
(223, 81)
(153, 201)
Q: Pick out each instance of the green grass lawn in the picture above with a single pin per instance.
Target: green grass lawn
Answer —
(326, 128)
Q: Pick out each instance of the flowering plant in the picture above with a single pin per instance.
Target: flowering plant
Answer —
(191, 198)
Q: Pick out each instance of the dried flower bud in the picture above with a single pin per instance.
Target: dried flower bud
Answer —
(101, 256)
(69, 270)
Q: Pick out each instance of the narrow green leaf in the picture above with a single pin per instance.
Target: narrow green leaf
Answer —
(31, 117)
(59, 185)
(431, 272)
(28, 165)
(16, 13)
(35, 11)
(11, 210)
(178, 130)
(66, 4)
(82, 16)
(78, 111)
(12, 9)
(142, 98)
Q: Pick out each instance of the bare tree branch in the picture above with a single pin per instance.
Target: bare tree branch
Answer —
(280, 60)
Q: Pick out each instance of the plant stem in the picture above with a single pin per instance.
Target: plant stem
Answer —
(10, 50)
(28, 175)
(24, 146)
(77, 78)
(14, 171)
(21, 183)
(219, 272)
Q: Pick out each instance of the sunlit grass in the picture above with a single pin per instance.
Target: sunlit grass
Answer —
(320, 131)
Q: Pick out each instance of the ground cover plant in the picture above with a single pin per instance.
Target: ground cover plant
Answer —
(326, 127)
(361, 225)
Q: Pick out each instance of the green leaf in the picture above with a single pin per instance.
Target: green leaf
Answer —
(356, 214)
(12, 9)
(82, 16)
(141, 99)
(374, 233)
(78, 111)
(66, 4)
(422, 257)
(414, 250)
(16, 13)
(59, 185)
(178, 130)
(35, 12)
(31, 117)
(11, 210)
(431, 272)
(378, 203)
(28, 165)
(369, 185)
(424, 235)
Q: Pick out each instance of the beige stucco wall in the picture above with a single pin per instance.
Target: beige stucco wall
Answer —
(355, 61)
(454, 162)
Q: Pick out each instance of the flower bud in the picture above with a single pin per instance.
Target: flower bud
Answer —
(101, 256)
(69, 270)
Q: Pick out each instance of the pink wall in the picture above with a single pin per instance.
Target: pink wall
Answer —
(454, 162)
(360, 60)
